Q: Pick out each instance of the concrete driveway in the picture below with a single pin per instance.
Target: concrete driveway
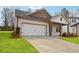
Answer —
(53, 45)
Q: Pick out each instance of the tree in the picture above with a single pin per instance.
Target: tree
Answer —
(7, 15)
(65, 12)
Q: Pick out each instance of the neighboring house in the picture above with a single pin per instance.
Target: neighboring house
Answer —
(74, 20)
(38, 23)
(75, 26)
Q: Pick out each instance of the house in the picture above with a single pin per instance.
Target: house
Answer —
(74, 21)
(75, 26)
(59, 24)
(38, 23)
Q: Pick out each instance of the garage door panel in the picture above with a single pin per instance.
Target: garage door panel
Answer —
(30, 29)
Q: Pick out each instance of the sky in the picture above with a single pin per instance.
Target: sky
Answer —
(51, 9)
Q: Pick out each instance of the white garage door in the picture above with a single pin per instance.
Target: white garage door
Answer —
(33, 29)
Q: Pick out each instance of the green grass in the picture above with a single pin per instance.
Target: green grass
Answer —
(9, 45)
(74, 40)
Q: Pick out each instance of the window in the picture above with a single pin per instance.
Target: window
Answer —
(73, 20)
(57, 29)
(61, 18)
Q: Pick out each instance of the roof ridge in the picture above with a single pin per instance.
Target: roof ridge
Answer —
(35, 11)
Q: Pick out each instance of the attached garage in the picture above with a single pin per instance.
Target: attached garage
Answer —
(31, 29)
(32, 24)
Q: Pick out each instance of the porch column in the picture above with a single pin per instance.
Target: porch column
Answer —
(68, 28)
(15, 23)
(50, 28)
(60, 29)
(76, 30)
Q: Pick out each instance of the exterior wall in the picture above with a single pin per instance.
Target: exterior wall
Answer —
(78, 29)
(54, 33)
(42, 23)
(77, 21)
(30, 21)
(64, 29)
(63, 21)
(57, 20)
(74, 29)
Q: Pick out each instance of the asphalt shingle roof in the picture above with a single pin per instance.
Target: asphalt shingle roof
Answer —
(20, 12)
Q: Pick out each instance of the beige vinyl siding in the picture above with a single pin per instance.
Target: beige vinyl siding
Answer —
(30, 21)
(54, 28)
(57, 20)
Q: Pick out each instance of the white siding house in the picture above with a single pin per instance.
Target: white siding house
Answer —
(59, 20)
(73, 22)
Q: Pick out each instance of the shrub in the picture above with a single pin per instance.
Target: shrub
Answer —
(68, 34)
(14, 35)
(72, 34)
(64, 34)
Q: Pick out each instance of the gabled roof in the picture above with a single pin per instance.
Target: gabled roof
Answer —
(59, 15)
(25, 13)
(39, 11)
(74, 17)
(75, 24)
(20, 12)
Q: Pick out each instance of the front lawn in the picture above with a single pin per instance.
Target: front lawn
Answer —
(9, 45)
(71, 39)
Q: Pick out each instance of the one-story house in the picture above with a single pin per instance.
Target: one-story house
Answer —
(38, 23)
